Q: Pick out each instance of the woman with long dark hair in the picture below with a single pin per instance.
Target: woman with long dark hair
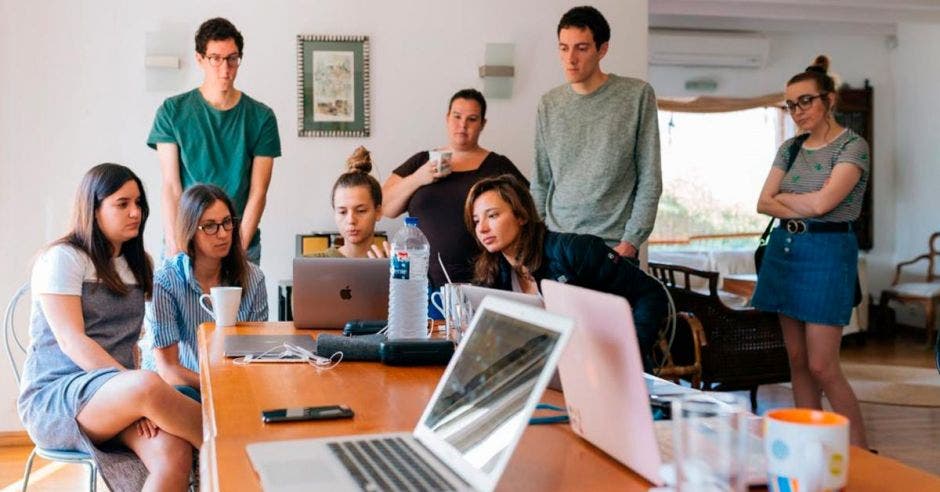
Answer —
(519, 251)
(809, 271)
(80, 388)
(207, 229)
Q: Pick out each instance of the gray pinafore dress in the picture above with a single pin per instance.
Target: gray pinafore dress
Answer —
(54, 389)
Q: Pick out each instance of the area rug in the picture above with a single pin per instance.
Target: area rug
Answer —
(894, 385)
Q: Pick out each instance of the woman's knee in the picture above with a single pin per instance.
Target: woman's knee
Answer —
(824, 370)
(172, 457)
(145, 384)
(798, 357)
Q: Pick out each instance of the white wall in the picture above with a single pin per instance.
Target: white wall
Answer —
(917, 70)
(73, 94)
(854, 59)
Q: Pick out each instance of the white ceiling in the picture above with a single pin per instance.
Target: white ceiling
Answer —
(839, 16)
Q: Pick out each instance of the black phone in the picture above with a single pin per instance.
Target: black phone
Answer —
(326, 412)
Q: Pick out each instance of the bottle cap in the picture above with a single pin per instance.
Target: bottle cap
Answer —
(411, 221)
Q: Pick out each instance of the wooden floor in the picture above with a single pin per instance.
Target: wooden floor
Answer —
(908, 434)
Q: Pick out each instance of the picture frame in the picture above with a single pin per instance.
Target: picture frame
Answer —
(333, 86)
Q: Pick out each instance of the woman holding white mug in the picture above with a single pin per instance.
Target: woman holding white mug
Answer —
(434, 193)
(208, 228)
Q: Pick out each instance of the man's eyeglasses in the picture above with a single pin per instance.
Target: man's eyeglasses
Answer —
(803, 102)
(212, 228)
(231, 60)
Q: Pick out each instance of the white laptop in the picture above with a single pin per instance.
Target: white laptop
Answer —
(475, 294)
(469, 428)
(606, 391)
(328, 292)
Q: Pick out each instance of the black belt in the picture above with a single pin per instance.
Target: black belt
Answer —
(799, 226)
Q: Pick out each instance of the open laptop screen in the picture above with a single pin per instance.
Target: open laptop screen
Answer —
(480, 408)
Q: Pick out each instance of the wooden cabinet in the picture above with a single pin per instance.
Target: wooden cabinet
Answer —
(855, 111)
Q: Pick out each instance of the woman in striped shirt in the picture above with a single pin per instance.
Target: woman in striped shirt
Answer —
(207, 227)
(815, 187)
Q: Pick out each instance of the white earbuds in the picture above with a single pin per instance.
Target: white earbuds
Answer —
(289, 353)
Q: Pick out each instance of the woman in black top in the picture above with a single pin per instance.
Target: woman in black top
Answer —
(436, 197)
(519, 251)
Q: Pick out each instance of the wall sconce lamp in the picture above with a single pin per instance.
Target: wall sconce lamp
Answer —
(165, 70)
(162, 61)
(498, 71)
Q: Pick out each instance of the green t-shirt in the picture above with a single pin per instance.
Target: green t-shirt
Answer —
(217, 147)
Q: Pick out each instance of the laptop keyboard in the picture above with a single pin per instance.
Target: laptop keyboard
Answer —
(388, 464)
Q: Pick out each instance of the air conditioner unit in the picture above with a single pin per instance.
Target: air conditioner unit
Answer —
(708, 48)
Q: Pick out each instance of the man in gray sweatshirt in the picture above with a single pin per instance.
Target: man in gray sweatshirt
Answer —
(597, 168)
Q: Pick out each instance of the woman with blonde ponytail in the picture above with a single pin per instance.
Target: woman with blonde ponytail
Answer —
(809, 273)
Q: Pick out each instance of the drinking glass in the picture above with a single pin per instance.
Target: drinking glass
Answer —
(709, 439)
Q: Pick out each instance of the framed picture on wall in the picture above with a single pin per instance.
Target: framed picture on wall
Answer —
(332, 86)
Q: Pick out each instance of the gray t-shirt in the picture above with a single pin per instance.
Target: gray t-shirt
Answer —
(812, 167)
(597, 166)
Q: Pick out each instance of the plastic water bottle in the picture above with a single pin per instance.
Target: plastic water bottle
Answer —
(408, 283)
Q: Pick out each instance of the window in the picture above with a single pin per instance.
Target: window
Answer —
(714, 165)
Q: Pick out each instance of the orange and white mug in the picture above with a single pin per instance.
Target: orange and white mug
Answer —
(807, 450)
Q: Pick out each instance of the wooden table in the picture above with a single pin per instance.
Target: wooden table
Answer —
(386, 399)
(740, 284)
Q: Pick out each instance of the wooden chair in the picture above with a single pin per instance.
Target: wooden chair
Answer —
(926, 293)
(691, 369)
(740, 349)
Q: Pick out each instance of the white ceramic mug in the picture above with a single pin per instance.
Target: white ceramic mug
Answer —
(807, 450)
(225, 302)
(441, 159)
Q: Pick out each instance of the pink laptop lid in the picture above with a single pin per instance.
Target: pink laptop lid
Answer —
(602, 376)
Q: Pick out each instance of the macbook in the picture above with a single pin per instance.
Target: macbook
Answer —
(328, 292)
(606, 391)
(469, 428)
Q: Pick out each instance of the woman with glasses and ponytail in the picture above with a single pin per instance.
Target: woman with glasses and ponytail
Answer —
(207, 229)
(809, 271)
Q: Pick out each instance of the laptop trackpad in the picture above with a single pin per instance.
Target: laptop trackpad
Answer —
(303, 472)
(301, 465)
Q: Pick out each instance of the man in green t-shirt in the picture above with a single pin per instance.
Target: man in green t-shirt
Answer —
(216, 134)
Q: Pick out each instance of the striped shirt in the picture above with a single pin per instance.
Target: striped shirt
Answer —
(174, 312)
(812, 167)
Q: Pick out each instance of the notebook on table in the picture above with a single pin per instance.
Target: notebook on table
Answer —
(468, 430)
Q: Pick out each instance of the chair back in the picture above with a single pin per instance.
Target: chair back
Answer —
(741, 348)
(12, 345)
(930, 256)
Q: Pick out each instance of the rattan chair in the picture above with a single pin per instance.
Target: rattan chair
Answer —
(741, 349)
(12, 344)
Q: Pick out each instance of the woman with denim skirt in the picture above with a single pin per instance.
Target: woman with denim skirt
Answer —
(809, 271)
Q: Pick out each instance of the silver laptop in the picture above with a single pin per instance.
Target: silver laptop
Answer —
(328, 292)
(606, 392)
(256, 345)
(469, 428)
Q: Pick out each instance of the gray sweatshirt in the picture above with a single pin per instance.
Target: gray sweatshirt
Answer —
(597, 168)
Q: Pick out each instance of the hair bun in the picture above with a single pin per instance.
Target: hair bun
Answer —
(820, 64)
(360, 161)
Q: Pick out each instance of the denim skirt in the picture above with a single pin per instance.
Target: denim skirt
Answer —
(809, 277)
